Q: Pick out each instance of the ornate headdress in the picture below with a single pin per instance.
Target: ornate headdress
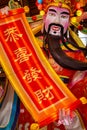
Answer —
(44, 4)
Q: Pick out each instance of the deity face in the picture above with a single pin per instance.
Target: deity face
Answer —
(56, 15)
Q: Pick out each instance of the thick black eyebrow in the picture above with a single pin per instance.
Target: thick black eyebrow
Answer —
(65, 13)
(53, 10)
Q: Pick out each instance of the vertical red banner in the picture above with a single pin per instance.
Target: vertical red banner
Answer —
(39, 88)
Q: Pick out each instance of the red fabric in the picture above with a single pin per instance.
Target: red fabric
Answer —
(80, 90)
(25, 120)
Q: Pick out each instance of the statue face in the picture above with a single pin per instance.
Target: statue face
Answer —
(58, 16)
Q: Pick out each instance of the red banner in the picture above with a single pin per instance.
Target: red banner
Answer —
(39, 88)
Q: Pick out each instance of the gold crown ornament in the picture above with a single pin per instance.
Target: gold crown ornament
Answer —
(45, 4)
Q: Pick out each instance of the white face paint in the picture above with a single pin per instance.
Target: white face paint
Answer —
(58, 16)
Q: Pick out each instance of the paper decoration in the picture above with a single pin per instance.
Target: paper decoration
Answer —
(35, 82)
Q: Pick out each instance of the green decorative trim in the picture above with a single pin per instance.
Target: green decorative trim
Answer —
(31, 19)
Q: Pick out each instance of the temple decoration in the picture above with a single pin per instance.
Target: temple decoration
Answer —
(13, 5)
(80, 17)
(44, 4)
(35, 82)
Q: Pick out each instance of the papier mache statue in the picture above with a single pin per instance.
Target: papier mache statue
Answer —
(67, 57)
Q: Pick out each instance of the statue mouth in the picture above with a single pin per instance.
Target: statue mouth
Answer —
(55, 29)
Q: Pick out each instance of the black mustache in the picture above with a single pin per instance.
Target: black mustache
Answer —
(61, 58)
(59, 25)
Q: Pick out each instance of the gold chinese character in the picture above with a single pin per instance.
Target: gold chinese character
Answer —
(27, 76)
(21, 54)
(31, 75)
(35, 73)
(40, 95)
(45, 94)
(48, 94)
(12, 34)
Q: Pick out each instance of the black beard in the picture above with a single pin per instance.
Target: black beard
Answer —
(59, 55)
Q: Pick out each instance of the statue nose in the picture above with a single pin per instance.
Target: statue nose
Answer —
(57, 20)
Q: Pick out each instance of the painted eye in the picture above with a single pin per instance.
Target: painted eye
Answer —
(51, 14)
(64, 16)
